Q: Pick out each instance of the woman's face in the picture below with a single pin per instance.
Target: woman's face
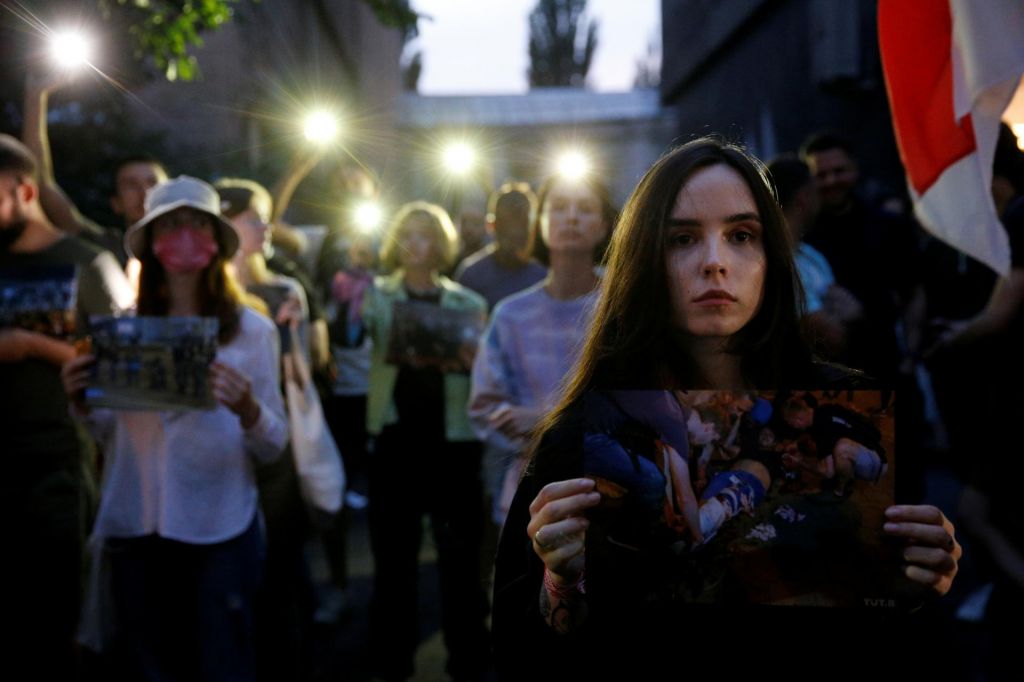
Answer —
(572, 218)
(714, 254)
(416, 247)
(254, 234)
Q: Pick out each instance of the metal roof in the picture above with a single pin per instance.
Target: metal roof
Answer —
(545, 106)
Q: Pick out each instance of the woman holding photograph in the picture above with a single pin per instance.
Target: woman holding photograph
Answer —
(178, 509)
(700, 293)
(426, 459)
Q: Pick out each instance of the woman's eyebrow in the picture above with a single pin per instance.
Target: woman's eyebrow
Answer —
(683, 222)
(735, 218)
(743, 217)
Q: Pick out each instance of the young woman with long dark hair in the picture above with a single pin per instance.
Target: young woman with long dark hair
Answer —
(700, 292)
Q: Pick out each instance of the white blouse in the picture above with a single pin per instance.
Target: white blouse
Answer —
(189, 476)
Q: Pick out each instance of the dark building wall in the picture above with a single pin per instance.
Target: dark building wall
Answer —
(768, 72)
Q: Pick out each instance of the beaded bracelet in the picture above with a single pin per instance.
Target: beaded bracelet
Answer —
(566, 591)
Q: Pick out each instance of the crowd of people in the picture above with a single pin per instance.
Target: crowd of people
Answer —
(475, 389)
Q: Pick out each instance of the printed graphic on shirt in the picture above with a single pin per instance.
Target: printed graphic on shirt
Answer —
(152, 363)
(743, 498)
(39, 298)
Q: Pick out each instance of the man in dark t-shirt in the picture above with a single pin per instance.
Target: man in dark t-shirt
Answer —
(504, 267)
(873, 255)
(40, 492)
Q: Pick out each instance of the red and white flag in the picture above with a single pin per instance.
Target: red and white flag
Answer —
(951, 68)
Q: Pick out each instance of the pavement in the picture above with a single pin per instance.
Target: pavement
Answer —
(340, 649)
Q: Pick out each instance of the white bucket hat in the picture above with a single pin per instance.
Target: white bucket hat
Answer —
(182, 191)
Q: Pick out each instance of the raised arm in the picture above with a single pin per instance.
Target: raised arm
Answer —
(58, 207)
(284, 189)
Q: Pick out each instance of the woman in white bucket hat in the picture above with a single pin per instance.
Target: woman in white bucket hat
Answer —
(178, 511)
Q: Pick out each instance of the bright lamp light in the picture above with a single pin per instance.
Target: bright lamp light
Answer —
(320, 126)
(572, 165)
(368, 216)
(459, 158)
(70, 49)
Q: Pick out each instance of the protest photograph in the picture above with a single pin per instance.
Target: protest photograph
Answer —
(500, 340)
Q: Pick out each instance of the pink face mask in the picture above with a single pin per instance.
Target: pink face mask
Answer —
(185, 249)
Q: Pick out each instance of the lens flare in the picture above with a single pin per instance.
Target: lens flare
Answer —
(70, 49)
(320, 127)
(459, 158)
(368, 216)
(572, 165)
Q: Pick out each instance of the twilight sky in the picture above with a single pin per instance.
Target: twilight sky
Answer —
(480, 46)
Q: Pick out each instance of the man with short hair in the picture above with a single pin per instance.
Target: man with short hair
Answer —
(133, 176)
(828, 307)
(41, 499)
(873, 255)
(504, 267)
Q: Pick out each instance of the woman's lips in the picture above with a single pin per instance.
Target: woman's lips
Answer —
(715, 297)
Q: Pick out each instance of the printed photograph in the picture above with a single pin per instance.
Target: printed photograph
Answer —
(426, 335)
(749, 498)
(40, 299)
(152, 363)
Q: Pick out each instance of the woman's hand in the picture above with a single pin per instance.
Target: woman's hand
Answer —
(932, 551)
(233, 389)
(289, 312)
(514, 421)
(74, 374)
(558, 528)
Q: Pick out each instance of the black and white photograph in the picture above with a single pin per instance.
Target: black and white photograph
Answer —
(149, 363)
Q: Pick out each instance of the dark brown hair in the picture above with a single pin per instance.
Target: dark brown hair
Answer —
(16, 158)
(632, 342)
(220, 295)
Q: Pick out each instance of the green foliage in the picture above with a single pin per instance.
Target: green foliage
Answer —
(395, 13)
(561, 44)
(164, 30)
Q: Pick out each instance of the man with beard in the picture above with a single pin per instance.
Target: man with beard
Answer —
(41, 491)
(133, 176)
(873, 255)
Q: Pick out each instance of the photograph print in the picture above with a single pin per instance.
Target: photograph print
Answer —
(152, 363)
(745, 498)
(427, 335)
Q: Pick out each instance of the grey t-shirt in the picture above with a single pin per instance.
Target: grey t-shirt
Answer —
(481, 273)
